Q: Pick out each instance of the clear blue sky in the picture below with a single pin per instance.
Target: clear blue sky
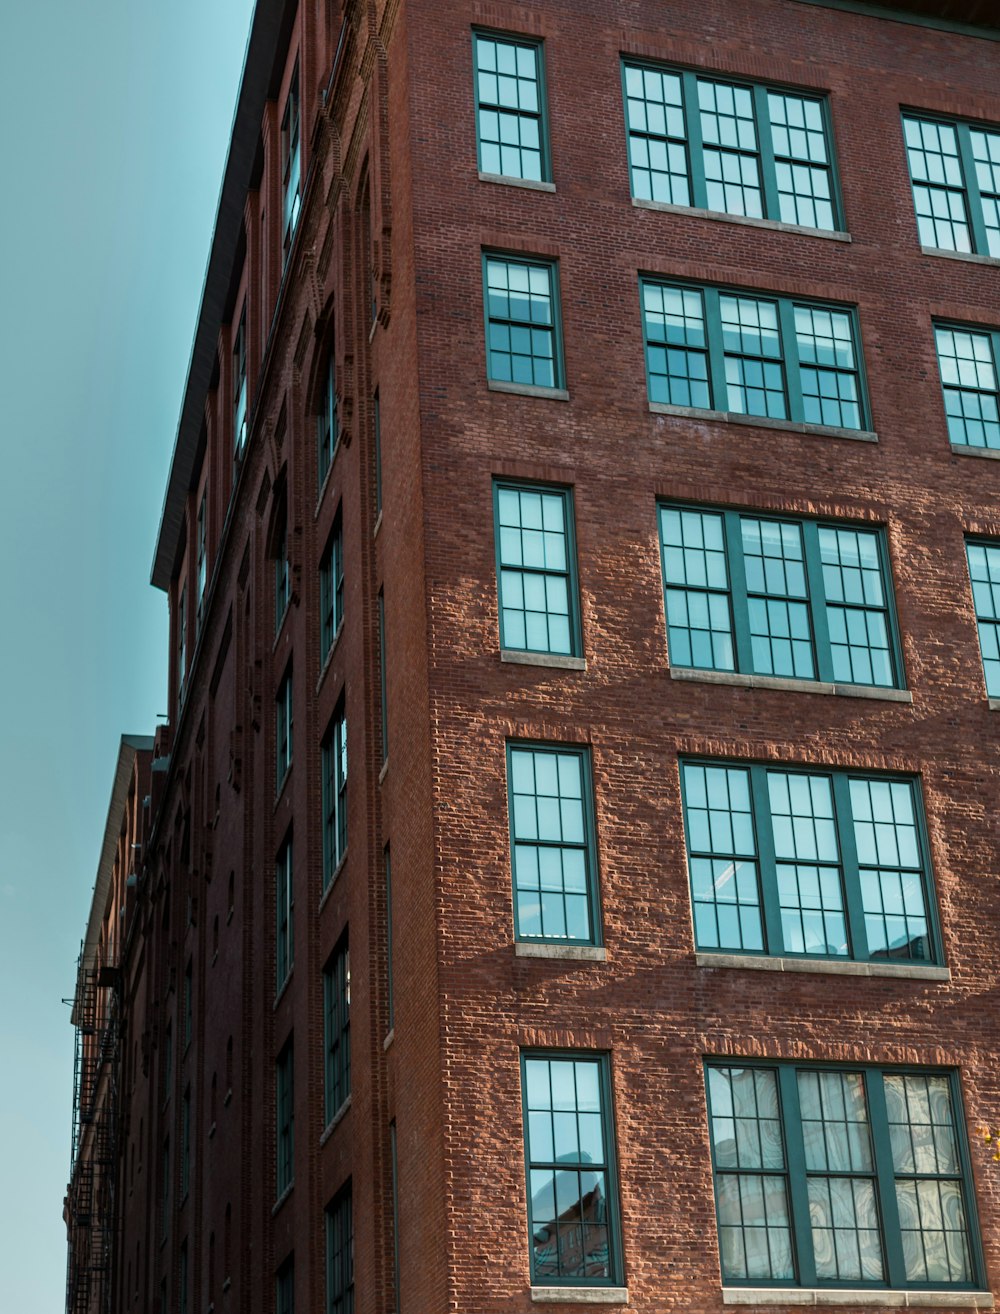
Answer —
(116, 121)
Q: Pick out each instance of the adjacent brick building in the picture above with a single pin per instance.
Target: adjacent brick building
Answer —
(587, 439)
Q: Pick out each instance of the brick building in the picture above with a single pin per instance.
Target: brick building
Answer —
(646, 953)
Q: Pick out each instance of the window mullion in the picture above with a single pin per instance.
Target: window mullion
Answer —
(765, 151)
(738, 591)
(817, 601)
(766, 873)
(798, 1183)
(716, 349)
(889, 611)
(973, 196)
(695, 146)
(790, 359)
(849, 866)
(878, 1118)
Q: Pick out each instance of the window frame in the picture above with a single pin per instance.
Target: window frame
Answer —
(551, 265)
(284, 887)
(975, 330)
(816, 599)
(339, 1214)
(333, 789)
(848, 866)
(291, 164)
(616, 1256)
(337, 1029)
(201, 560)
(883, 1174)
(284, 1284)
(327, 423)
(583, 753)
(331, 587)
(791, 365)
(566, 493)
(240, 401)
(765, 153)
(283, 720)
(979, 540)
(537, 45)
(971, 191)
(284, 1118)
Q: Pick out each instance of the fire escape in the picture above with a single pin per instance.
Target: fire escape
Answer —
(91, 1206)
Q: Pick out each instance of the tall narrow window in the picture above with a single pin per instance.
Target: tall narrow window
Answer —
(572, 1182)
(240, 388)
(984, 570)
(291, 164)
(334, 777)
(281, 575)
(168, 1060)
(182, 1279)
(284, 935)
(201, 559)
(165, 1188)
(395, 1215)
(328, 424)
(285, 1118)
(186, 1143)
(188, 1003)
(387, 860)
(182, 644)
(377, 421)
(340, 1254)
(967, 359)
(522, 322)
(283, 729)
(552, 845)
(337, 1028)
(536, 569)
(384, 702)
(955, 172)
(331, 588)
(510, 116)
(285, 1288)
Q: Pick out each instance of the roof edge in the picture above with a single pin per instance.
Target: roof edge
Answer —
(896, 11)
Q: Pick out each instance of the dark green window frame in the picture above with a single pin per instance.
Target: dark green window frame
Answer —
(340, 1253)
(291, 164)
(331, 588)
(284, 954)
(954, 169)
(377, 424)
(969, 366)
(778, 855)
(283, 731)
(284, 1118)
(511, 114)
(744, 352)
(531, 557)
(553, 844)
(519, 320)
(820, 612)
(327, 424)
(772, 159)
(284, 1301)
(390, 998)
(983, 557)
(185, 1143)
(240, 388)
(282, 577)
(337, 1029)
(557, 1128)
(333, 755)
(383, 690)
(872, 1156)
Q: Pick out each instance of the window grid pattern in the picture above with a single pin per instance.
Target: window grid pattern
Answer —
(793, 599)
(340, 1254)
(201, 558)
(284, 901)
(285, 1119)
(282, 579)
(551, 845)
(751, 337)
(968, 365)
(334, 777)
(657, 136)
(521, 322)
(283, 729)
(986, 157)
(984, 571)
(729, 138)
(240, 387)
(509, 108)
(535, 566)
(291, 164)
(828, 367)
(676, 346)
(801, 160)
(570, 1174)
(331, 589)
(182, 645)
(337, 1029)
(327, 425)
(796, 863)
(938, 184)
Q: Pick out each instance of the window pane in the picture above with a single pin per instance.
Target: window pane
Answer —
(729, 136)
(938, 184)
(801, 160)
(521, 315)
(777, 599)
(984, 571)
(722, 857)
(890, 869)
(857, 614)
(657, 136)
(534, 567)
(808, 873)
(754, 369)
(827, 367)
(676, 346)
(969, 382)
(696, 589)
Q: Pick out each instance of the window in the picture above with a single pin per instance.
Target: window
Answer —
(284, 938)
(789, 598)
(377, 420)
(384, 702)
(240, 388)
(182, 1280)
(387, 859)
(188, 1003)
(967, 359)
(395, 1216)
(168, 1060)
(984, 570)
(283, 728)
(182, 644)
(185, 1143)
(328, 425)
(510, 124)
(285, 1118)
(291, 164)
(955, 172)
(331, 588)
(285, 1287)
(741, 150)
(337, 1028)
(751, 355)
(522, 322)
(827, 1176)
(201, 559)
(281, 576)
(340, 1254)
(821, 864)
(552, 846)
(536, 560)
(165, 1189)
(572, 1185)
(334, 774)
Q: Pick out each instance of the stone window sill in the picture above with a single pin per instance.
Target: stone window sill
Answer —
(878, 1299)
(964, 449)
(994, 704)
(282, 1198)
(390, 1036)
(554, 659)
(780, 683)
(333, 880)
(776, 225)
(328, 659)
(385, 769)
(335, 1121)
(583, 953)
(830, 966)
(765, 422)
(284, 986)
(970, 256)
(527, 390)
(529, 183)
(580, 1295)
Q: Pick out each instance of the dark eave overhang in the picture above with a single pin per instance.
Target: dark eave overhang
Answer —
(268, 32)
(979, 18)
